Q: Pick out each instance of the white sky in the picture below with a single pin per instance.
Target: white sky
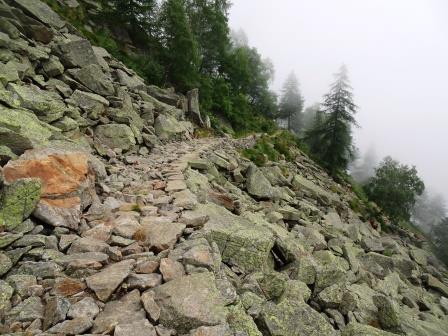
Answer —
(397, 55)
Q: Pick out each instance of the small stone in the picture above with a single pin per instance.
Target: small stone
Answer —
(84, 308)
(107, 281)
(55, 311)
(6, 292)
(144, 281)
(5, 264)
(160, 237)
(126, 310)
(171, 269)
(27, 311)
(146, 267)
(67, 287)
(76, 326)
(138, 328)
(151, 306)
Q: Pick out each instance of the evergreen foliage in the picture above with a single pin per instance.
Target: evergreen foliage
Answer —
(180, 48)
(395, 188)
(291, 104)
(330, 138)
(440, 237)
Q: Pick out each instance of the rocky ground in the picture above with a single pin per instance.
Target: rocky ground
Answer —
(115, 220)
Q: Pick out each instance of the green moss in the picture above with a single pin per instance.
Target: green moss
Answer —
(18, 201)
(242, 323)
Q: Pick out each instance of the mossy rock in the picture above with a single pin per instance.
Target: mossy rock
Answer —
(18, 201)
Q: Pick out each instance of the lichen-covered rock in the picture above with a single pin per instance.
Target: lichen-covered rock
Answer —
(18, 200)
(115, 136)
(258, 185)
(48, 106)
(42, 12)
(167, 127)
(293, 319)
(190, 302)
(21, 130)
(357, 329)
(241, 323)
(94, 78)
(75, 52)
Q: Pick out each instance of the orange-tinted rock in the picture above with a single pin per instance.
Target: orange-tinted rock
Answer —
(67, 177)
(68, 287)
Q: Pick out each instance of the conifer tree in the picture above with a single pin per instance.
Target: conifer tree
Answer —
(291, 103)
(180, 46)
(332, 138)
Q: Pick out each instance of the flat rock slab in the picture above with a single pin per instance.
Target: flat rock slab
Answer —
(107, 281)
(190, 302)
(161, 236)
(124, 311)
(42, 12)
(176, 185)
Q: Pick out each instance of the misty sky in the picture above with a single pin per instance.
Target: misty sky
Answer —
(397, 55)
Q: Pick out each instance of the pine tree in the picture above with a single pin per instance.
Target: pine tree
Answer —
(291, 103)
(332, 138)
(181, 49)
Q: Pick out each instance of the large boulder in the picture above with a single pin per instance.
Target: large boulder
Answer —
(42, 12)
(115, 136)
(93, 77)
(241, 243)
(94, 105)
(67, 176)
(258, 185)
(21, 130)
(167, 127)
(48, 106)
(75, 52)
(293, 318)
(18, 201)
(190, 302)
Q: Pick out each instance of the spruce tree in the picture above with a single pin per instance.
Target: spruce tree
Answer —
(291, 103)
(332, 138)
(180, 46)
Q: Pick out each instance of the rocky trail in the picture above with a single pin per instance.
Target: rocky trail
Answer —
(115, 220)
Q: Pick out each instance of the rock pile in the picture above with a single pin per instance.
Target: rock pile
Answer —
(114, 221)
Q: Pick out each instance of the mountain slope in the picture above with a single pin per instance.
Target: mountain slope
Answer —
(115, 220)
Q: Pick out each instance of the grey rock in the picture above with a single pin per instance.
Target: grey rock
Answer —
(150, 305)
(93, 78)
(76, 326)
(293, 319)
(190, 302)
(27, 311)
(115, 136)
(105, 282)
(144, 281)
(84, 308)
(42, 12)
(138, 328)
(124, 311)
(55, 311)
(75, 52)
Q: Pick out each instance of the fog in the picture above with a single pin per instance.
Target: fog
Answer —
(397, 55)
